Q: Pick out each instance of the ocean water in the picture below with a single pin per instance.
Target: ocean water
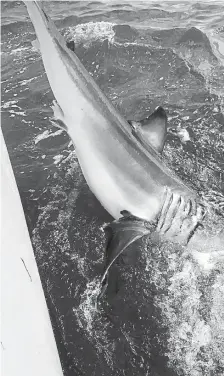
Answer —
(142, 54)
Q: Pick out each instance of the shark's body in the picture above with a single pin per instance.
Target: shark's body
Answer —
(118, 169)
(123, 169)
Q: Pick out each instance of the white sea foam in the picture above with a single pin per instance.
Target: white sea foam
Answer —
(194, 348)
(46, 134)
(9, 104)
(57, 158)
(90, 32)
(21, 113)
(88, 309)
(24, 82)
(41, 136)
(19, 50)
(91, 320)
(183, 134)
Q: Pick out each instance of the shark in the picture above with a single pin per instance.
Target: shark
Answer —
(121, 160)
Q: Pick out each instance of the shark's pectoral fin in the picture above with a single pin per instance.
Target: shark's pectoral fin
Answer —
(121, 234)
(152, 130)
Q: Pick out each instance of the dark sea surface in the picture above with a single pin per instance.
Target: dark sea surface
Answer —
(142, 55)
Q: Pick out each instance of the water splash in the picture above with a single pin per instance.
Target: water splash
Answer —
(91, 32)
(91, 320)
(191, 312)
(87, 310)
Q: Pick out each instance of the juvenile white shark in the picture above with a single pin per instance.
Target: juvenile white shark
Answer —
(120, 160)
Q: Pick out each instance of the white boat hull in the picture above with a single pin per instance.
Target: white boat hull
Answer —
(27, 340)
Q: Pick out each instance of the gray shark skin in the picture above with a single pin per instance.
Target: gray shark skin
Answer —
(121, 163)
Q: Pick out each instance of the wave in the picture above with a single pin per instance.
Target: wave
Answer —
(87, 33)
(190, 45)
(194, 38)
(125, 33)
(142, 14)
(207, 6)
(15, 27)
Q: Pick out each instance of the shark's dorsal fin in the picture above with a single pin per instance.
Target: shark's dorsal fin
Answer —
(153, 129)
(120, 234)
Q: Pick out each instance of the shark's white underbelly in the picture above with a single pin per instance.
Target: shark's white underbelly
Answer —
(115, 188)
